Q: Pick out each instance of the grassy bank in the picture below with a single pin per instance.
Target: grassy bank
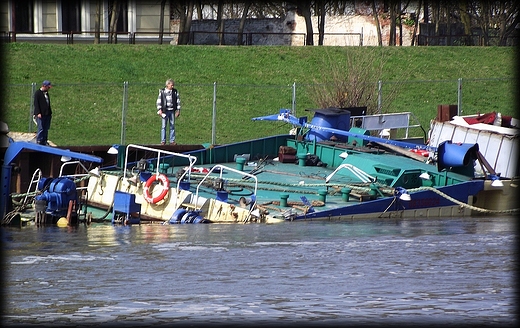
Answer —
(249, 81)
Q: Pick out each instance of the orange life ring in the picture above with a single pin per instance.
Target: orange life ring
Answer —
(165, 185)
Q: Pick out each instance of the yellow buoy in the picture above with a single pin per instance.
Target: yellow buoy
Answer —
(62, 222)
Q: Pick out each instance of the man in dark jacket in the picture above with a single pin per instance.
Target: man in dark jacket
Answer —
(43, 112)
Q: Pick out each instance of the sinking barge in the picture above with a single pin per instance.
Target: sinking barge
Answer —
(345, 175)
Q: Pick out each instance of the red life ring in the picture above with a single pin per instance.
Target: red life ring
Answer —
(165, 185)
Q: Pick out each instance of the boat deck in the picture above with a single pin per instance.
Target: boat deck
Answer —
(281, 187)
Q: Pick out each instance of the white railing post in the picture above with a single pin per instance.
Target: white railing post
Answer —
(214, 120)
(379, 96)
(293, 108)
(123, 112)
(31, 107)
(459, 96)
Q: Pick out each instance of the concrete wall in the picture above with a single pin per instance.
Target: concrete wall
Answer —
(349, 30)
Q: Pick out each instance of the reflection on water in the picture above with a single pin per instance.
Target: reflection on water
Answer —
(381, 271)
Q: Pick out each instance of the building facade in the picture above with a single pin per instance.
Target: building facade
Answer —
(56, 18)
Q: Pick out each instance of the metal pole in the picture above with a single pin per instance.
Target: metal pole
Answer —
(379, 96)
(214, 119)
(293, 108)
(459, 97)
(123, 112)
(31, 107)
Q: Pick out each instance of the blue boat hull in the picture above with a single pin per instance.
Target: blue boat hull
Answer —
(419, 205)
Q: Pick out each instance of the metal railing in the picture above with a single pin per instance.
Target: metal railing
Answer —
(117, 107)
(193, 37)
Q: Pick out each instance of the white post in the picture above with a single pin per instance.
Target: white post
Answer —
(31, 110)
(123, 112)
(459, 97)
(214, 120)
(293, 109)
(379, 96)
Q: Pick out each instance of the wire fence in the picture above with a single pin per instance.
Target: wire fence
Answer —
(124, 112)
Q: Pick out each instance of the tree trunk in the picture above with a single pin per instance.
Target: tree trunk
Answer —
(240, 35)
(187, 22)
(391, 41)
(321, 22)
(426, 12)
(199, 10)
(113, 22)
(415, 24)
(448, 22)
(436, 20)
(466, 21)
(400, 17)
(161, 22)
(97, 23)
(305, 8)
(184, 10)
(220, 22)
(378, 25)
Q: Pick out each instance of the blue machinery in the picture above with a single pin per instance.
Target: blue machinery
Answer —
(58, 191)
(322, 128)
(453, 156)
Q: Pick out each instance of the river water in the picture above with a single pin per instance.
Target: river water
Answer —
(384, 271)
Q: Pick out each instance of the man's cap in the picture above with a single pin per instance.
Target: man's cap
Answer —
(47, 83)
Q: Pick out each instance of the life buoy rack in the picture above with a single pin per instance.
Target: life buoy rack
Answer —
(165, 185)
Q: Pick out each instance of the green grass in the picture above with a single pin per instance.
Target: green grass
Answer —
(251, 81)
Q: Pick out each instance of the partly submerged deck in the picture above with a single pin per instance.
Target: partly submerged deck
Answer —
(287, 187)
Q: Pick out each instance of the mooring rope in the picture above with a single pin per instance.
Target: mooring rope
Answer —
(474, 208)
(334, 189)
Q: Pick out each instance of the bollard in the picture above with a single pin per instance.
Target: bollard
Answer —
(302, 157)
(240, 163)
(345, 194)
(283, 200)
(323, 195)
(373, 191)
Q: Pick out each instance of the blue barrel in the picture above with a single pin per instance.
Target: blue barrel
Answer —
(321, 121)
(177, 215)
(455, 155)
(334, 118)
(190, 217)
(184, 185)
(222, 196)
(199, 219)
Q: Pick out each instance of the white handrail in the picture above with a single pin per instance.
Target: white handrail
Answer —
(222, 167)
(360, 174)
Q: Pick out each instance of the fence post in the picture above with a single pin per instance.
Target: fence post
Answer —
(293, 99)
(123, 112)
(214, 118)
(31, 107)
(459, 97)
(379, 96)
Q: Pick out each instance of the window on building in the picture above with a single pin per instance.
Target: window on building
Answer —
(71, 16)
(23, 16)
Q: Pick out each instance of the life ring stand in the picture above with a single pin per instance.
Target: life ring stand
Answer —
(165, 185)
